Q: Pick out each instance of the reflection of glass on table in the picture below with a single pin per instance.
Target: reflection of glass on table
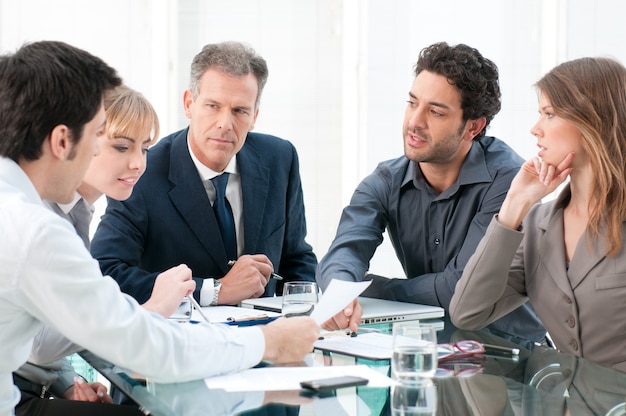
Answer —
(418, 399)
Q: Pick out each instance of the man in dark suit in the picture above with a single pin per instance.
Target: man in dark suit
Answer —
(169, 219)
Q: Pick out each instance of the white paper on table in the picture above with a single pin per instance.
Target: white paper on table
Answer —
(289, 378)
(337, 296)
(373, 346)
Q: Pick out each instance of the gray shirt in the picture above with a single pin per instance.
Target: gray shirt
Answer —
(433, 234)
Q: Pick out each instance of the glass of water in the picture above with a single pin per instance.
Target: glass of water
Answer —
(183, 312)
(299, 298)
(414, 355)
(418, 399)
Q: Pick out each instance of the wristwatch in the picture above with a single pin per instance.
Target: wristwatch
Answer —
(217, 285)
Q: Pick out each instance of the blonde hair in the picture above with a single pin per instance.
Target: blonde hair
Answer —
(591, 93)
(130, 114)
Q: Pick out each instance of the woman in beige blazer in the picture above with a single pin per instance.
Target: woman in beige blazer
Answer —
(566, 256)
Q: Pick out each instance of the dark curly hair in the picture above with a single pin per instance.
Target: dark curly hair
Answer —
(475, 76)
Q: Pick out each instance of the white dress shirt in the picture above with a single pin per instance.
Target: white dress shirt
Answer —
(49, 277)
(234, 195)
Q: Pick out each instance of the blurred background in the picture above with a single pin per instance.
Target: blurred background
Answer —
(340, 70)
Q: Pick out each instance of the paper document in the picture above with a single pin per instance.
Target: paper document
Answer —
(337, 296)
(373, 346)
(289, 378)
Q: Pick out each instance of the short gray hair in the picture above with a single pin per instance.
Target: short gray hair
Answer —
(233, 58)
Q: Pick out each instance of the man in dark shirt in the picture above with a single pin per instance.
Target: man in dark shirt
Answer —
(436, 201)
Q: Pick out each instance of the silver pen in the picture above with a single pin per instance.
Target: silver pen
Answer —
(198, 308)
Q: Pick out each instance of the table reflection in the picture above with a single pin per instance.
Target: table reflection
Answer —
(540, 381)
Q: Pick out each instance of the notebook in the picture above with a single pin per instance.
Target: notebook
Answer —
(374, 310)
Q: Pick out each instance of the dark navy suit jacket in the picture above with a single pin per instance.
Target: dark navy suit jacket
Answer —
(168, 220)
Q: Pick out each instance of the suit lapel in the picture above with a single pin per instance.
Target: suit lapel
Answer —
(553, 251)
(189, 197)
(255, 177)
(586, 257)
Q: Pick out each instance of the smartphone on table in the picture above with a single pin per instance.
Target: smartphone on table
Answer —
(334, 382)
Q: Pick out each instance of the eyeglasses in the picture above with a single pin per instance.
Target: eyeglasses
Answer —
(459, 369)
(458, 350)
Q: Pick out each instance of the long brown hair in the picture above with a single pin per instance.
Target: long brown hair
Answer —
(591, 93)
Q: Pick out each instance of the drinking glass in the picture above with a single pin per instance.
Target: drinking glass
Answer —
(299, 298)
(418, 399)
(414, 354)
(183, 312)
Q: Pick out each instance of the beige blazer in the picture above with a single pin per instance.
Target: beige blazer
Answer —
(583, 307)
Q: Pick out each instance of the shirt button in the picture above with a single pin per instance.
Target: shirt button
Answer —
(567, 299)
(571, 322)
(574, 344)
(437, 241)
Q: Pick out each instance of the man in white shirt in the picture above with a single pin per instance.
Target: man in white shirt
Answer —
(50, 116)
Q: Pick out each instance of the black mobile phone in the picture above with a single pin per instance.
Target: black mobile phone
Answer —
(334, 382)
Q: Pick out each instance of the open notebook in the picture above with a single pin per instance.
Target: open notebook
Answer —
(374, 310)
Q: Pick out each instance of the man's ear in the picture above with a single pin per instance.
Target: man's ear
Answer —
(60, 143)
(475, 126)
(187, 101)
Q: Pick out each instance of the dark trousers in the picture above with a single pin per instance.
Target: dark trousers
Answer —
(32, 405)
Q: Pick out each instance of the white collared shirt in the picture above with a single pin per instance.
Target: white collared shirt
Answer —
(233, 192)
(235, 198)
(48, 276)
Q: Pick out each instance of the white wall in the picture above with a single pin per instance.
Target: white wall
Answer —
(339, 69)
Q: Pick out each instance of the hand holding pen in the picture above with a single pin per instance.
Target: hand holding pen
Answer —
(246, 279)
(273, 275)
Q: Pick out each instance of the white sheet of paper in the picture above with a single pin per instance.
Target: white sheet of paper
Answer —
(337, 296)
(372, 345)
(289, 378)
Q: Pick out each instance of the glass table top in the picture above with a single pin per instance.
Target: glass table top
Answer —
(540, 381)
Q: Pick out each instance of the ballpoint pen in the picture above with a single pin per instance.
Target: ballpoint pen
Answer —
(251, 320)
(273, 275)
(247, 318)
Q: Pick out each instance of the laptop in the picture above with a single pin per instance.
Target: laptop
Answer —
(375, 311)
(133, 389)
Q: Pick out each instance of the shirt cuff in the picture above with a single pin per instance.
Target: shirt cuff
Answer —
(206, 292)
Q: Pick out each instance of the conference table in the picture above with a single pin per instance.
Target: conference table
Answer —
(538, 381)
